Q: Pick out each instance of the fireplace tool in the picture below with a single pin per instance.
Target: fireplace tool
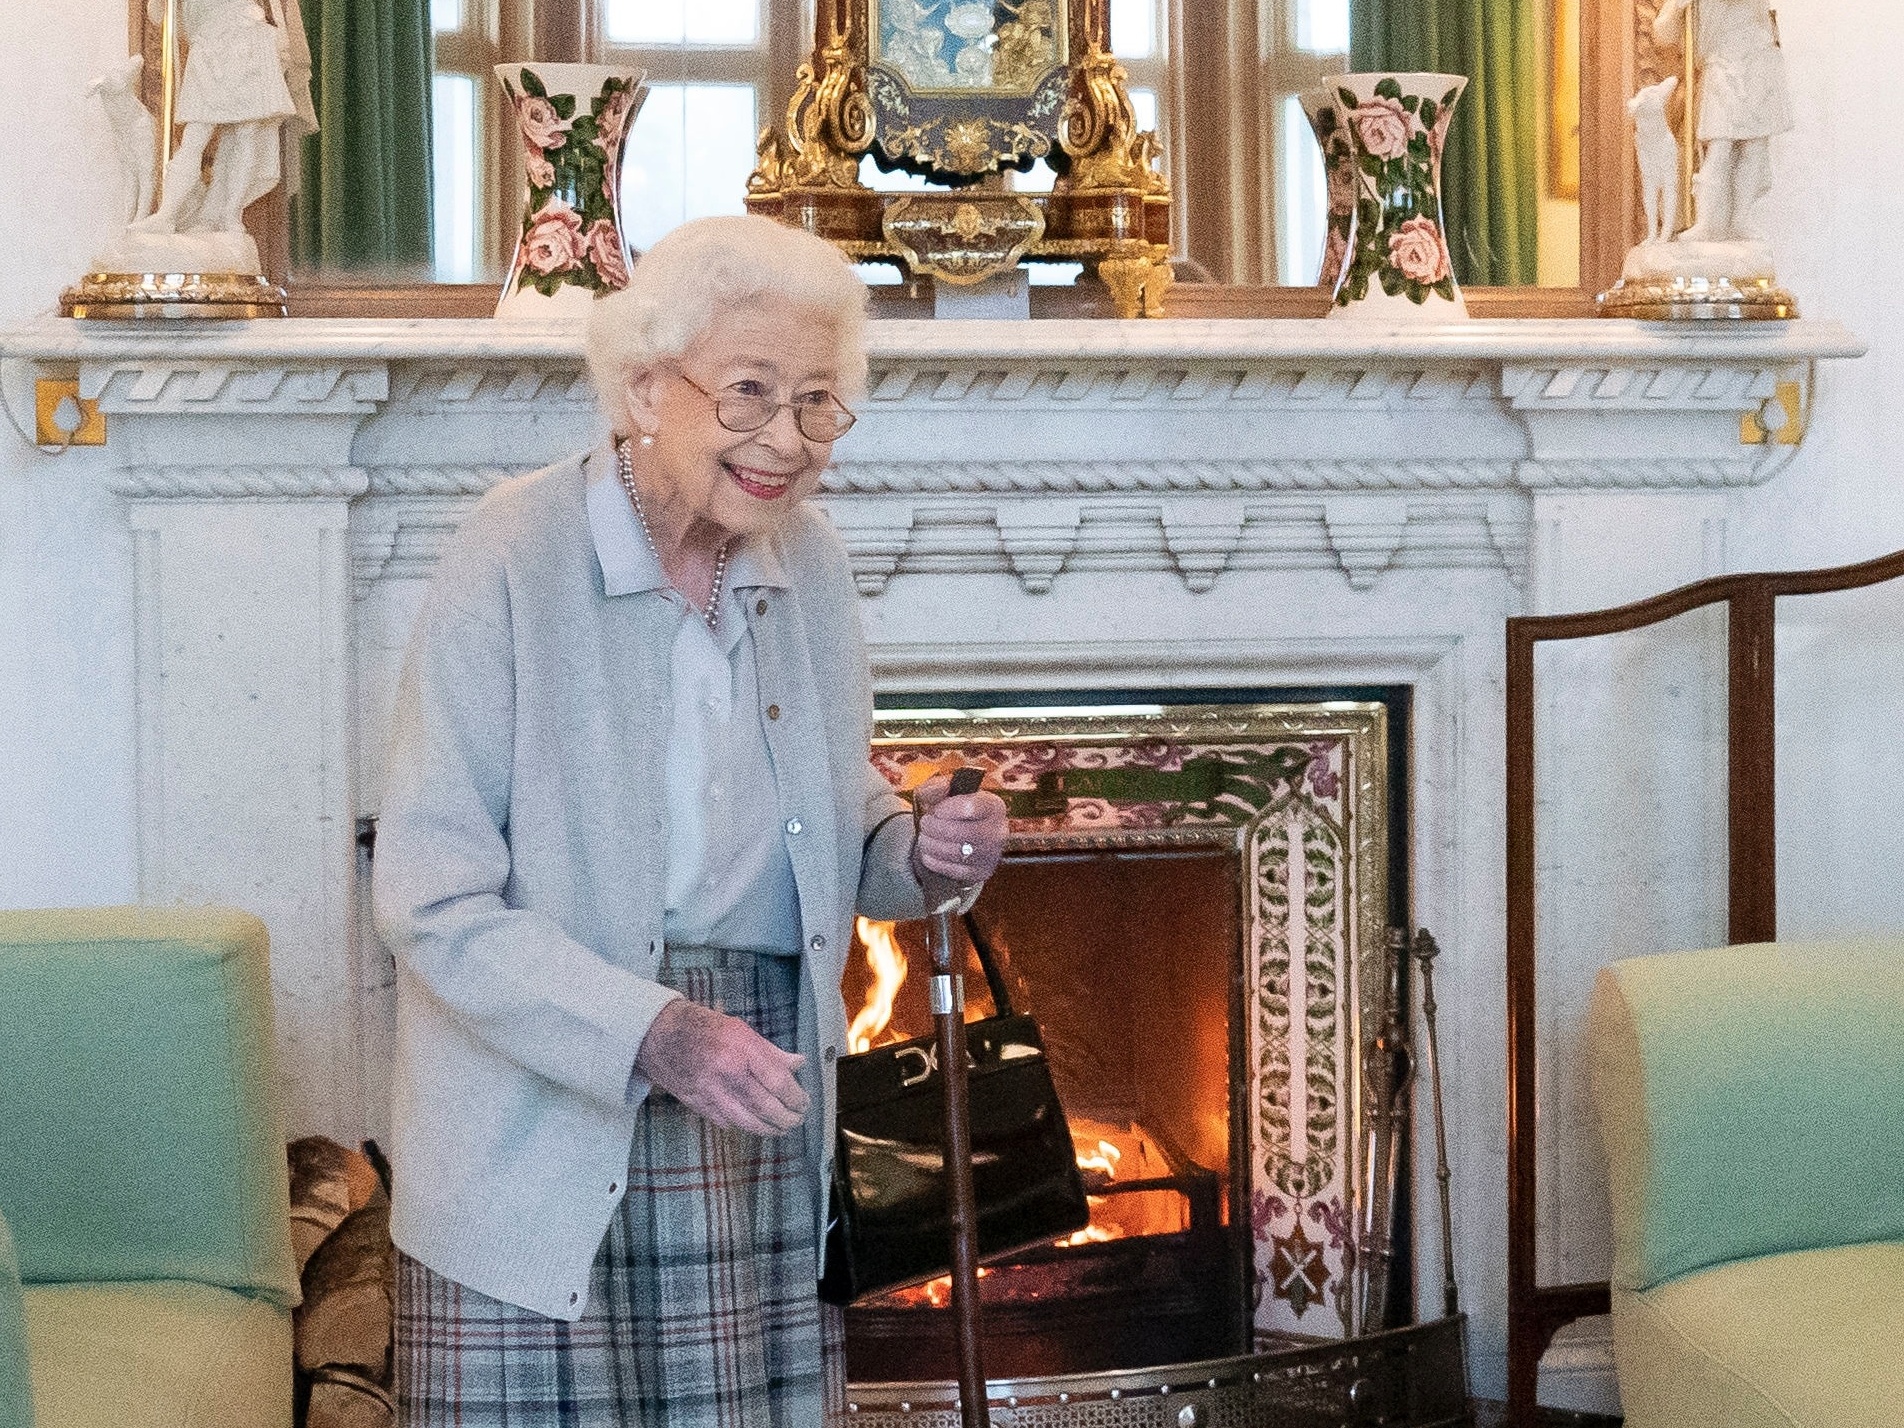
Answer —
(1426, 950)
(948, 1014)
(1390, 1075)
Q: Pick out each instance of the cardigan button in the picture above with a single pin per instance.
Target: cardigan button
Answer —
(574, 1298)
(773, 711)
(793, 825)
(654, 946)
(818, 944)
(760, 607)
(614, 1187)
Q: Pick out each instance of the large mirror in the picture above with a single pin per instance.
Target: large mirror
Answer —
(418, 177)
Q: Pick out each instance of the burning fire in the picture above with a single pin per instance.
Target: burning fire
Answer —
(1101, 1158)
(888, 963)
(1105, 1150)
(937, 1292)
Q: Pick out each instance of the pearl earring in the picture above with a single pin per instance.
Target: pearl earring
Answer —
(646, 439)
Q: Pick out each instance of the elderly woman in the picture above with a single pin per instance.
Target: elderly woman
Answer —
(628, 819)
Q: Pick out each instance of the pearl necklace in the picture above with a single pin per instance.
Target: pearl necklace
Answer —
(712, 614)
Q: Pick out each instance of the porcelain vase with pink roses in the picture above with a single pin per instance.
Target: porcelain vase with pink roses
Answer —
(574, 121)
(1382, 138)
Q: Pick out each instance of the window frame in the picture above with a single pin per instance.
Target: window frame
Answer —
(1616, 55)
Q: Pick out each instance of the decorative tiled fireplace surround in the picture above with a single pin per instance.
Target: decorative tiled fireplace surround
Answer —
(1043, 506)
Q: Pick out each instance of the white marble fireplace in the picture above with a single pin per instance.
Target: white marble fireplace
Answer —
(1035, 506)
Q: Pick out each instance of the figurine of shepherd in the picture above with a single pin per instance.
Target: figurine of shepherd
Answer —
(1744, 101)
(238, 88)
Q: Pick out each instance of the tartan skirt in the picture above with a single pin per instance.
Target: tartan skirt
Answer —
(703, 1309)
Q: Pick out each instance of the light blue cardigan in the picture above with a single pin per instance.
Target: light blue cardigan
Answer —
(520, 867)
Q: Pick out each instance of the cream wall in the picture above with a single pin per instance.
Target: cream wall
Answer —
(65, 676)
(65, 583)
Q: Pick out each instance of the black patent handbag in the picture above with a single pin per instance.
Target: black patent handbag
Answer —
(887, 1223)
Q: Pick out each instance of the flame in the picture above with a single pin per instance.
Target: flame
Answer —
(1102, 1157)
(936, 1292)
(888, 964)
(1093, 1233)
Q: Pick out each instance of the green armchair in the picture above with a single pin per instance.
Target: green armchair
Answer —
(142, 1170)
(16, 1394)
(1751, 1100)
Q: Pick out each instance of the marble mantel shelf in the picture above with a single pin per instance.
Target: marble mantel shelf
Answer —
(1026, 448)
(1507, 341)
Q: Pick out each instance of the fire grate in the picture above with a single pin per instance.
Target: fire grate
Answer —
(1406, 1378)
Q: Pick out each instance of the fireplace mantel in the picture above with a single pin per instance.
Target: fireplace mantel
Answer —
(1042, 506)
(990, 446)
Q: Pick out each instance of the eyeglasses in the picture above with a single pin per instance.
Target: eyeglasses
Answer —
(819, 415)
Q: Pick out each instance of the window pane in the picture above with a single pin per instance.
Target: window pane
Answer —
(1144, 106)
(1322, 26)
(646, 22)
(1054, 275)
(1037, 179)
(689, 156)
(672, 22)
(446, 14)
(453, 159)
(898, 181)
(1302, 199)
(1134, 28)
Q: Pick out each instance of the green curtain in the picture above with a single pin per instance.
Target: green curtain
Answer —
(1490, 189)
(363, 203)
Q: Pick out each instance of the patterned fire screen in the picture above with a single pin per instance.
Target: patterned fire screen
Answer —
(1298, 793)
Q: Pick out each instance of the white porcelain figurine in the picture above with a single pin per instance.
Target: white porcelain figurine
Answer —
(1719, 267)
(135, 133)
(245, 88)
(1743, 103)
(1659, 158)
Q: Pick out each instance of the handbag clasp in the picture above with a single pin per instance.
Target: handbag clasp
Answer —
(928, 1063)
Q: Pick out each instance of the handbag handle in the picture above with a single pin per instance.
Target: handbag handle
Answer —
(988, 959)
(968, 780)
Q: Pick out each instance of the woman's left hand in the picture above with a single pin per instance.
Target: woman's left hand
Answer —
(962, 837)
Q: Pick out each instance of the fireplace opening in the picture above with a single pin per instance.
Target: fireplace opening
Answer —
(1193, 906)
(1129, 962)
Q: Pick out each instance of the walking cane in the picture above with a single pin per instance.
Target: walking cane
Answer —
(948, 1013)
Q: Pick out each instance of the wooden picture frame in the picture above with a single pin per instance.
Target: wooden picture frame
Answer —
(1617, 56)
(1563, 115)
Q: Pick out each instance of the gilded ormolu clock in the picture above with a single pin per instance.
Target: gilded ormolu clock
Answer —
(961, 92)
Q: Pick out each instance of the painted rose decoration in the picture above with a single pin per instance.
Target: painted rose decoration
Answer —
(1383, 126)
(1382, 149)
(1418, 250)
(541, 125)
(571, 230)
(601, 244)
(552, 243)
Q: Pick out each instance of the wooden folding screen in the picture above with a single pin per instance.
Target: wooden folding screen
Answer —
(1536, 1312)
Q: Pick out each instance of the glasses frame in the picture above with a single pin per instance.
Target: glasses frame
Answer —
(842, 419)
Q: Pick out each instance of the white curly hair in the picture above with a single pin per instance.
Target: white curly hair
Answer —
(703, 267)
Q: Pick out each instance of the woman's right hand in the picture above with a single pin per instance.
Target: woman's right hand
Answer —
(723, 1070)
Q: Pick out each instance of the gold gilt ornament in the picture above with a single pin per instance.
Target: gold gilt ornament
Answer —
(961, 92)
(967, 244)
(830, 119)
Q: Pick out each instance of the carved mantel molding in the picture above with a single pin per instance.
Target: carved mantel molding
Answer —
(1031, 448)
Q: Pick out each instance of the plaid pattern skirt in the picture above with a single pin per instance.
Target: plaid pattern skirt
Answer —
(702, 1308)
